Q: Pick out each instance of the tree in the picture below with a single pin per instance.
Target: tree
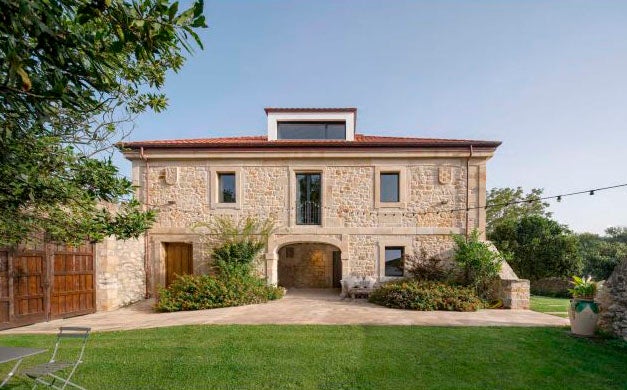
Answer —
(509, 204)
(538, 247)
(73, 76)
(601, 254)
(479, 263)
(617, 234)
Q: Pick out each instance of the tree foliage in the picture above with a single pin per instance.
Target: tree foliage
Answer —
(538, 247)
(601, 254)
(73, 75)
(511, 204)
(479, 263)
(616, 234)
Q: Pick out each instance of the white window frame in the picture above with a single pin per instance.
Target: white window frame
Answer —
(275, 117)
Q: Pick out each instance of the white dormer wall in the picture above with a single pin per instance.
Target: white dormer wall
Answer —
(275, 117)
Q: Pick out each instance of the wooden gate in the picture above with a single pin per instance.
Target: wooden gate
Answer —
(5, 298)
(178, 260)
(73, 291)
(29, 284)
(45, 281)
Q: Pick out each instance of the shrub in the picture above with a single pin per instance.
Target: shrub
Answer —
(197, 292)
(422, 267)
(551, 287)
(233, 244)
(425, 295)
(480, 264)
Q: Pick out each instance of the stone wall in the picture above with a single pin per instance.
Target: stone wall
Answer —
(120, 273)
(306, 266)
(552, 287)
(183, 191)
(514, 293)
(612, 298)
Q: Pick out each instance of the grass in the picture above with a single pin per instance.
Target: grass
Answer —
(344, 357)
(555, 306)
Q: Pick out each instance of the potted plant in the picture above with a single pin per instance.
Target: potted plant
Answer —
(583, 311)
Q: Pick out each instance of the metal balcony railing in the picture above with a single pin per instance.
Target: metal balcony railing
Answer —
(308, 213)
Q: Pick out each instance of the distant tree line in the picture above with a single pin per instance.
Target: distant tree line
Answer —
(537, 246)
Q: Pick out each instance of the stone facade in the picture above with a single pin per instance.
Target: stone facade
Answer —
(352, 219)
(120, 273)
(612, 298)
(441, 191)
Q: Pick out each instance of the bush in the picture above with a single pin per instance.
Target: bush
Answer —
(480, 265)
(422, 267)
(551, 287)
(197, 292)
(234, 259)
(233, 246)
(425, 296)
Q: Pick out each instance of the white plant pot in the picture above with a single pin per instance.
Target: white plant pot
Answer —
(583, 315)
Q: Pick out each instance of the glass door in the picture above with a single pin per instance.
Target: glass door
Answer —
(308, 198)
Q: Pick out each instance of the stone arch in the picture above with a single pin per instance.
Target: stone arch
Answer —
(276, 243)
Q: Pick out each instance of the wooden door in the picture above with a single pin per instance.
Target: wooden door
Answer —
(5, 298)
(178, 260)
(337, 269)
(29, 295)
(73, 292)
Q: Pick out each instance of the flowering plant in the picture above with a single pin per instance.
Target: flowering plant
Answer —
(583, 287)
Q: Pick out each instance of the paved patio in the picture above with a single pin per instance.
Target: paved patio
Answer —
(298, 307)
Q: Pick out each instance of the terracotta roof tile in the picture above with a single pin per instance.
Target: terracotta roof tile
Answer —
(261, 142)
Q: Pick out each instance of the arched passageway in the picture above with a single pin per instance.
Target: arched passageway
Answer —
(309, 265)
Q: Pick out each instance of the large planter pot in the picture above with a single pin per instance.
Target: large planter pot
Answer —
(583, 315)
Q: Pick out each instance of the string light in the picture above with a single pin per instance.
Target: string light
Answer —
(438, 212)
(557, 197)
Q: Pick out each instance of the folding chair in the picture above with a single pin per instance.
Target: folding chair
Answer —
(50, 374)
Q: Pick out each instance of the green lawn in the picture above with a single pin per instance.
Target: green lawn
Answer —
(555, 306)
(345, 357)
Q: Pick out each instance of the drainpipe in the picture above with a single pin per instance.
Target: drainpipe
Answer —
(468, 192)
(147, 268)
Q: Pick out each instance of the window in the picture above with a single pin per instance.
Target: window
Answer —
(394, 260)
(308, 198)
(226, 188)
(390, 187)
(312, 130)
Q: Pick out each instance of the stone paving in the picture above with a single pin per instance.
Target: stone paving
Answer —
(315, 307)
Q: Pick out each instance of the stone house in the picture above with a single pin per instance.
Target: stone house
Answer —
(344, 203)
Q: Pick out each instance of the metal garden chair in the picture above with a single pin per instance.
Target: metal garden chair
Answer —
(57, 374)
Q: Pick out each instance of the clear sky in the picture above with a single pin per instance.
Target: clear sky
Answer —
(547, 78)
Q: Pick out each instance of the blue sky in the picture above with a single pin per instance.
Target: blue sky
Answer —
(547, 78)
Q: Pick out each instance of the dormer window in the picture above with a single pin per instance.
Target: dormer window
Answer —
(311, 123)
(311, 130)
